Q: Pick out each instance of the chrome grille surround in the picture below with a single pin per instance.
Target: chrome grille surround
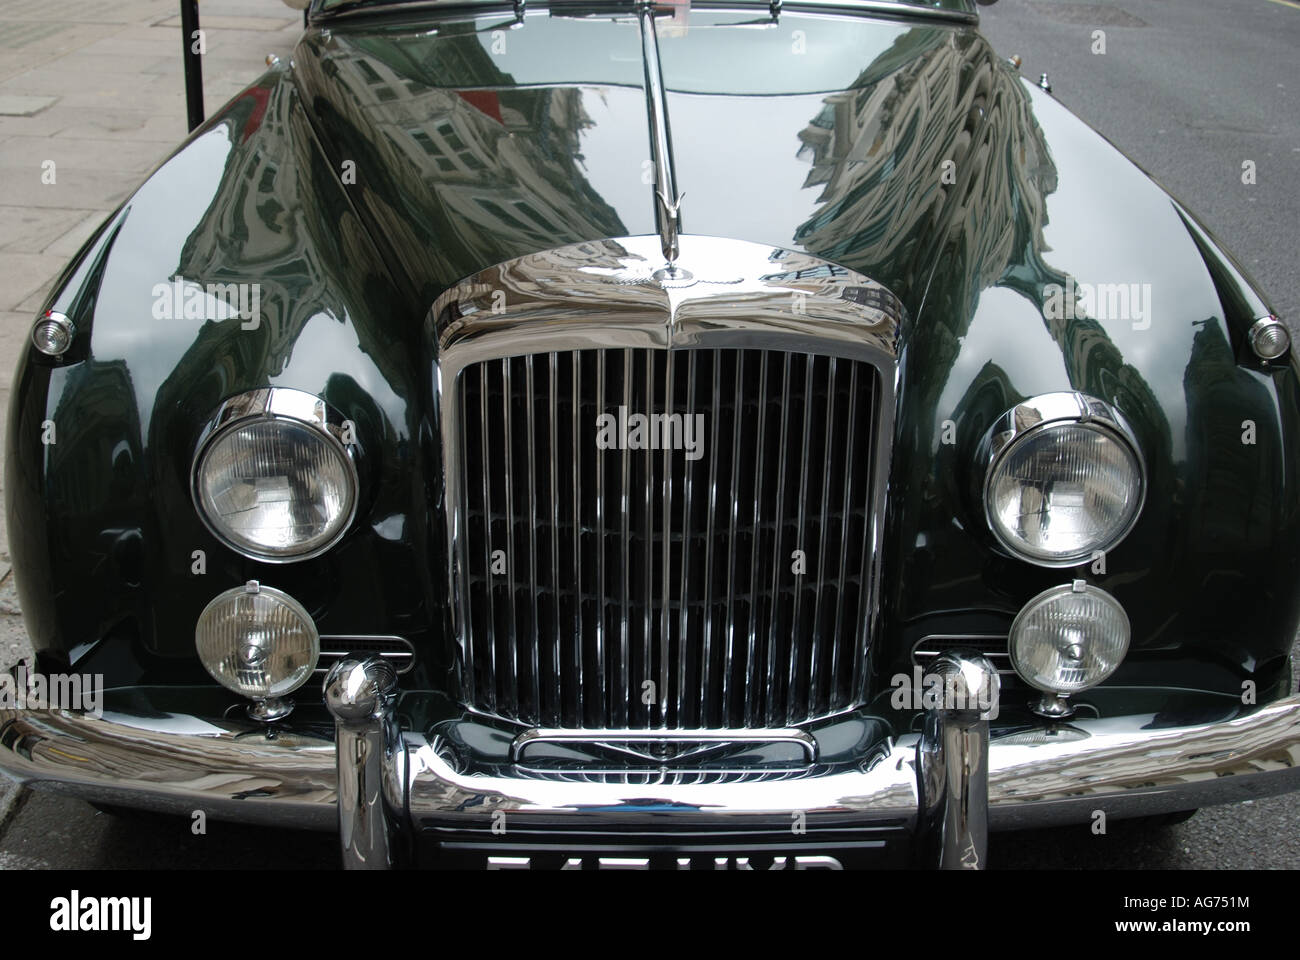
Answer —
(617, 297)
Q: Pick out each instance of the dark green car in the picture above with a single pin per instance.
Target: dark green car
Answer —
(611, 434)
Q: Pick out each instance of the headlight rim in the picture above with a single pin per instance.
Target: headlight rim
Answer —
(276, 403)
(1038, 414)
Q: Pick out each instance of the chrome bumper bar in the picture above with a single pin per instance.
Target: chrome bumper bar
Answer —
(1125, 766)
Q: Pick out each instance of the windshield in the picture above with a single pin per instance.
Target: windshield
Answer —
(329, 6)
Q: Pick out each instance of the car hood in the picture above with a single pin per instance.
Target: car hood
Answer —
(392, 160)
(1031, 256)
(472, 143)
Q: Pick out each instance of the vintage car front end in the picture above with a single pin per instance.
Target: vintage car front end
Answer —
(808, 502)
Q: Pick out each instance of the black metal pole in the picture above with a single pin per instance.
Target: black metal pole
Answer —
(190, 41)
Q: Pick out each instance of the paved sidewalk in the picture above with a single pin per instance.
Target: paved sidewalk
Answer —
(95, 88)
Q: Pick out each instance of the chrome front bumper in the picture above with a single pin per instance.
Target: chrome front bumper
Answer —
(1124, 766)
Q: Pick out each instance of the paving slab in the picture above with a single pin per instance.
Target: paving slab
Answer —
(233, 23)
(32, 229)
(18, 105)
(24, 276)
(71, 241)
(80, 153)
(83, 11)
(77, 188)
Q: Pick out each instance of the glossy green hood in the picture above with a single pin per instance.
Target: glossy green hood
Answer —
(397, 157)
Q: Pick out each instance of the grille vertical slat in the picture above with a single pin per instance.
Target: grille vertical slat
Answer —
(842, 581)
(752, 700)
(601, 595)
(814, 649)
(577, 712)
(684, 609)
(510, 688)
(534, 649)
(706, 665)
(733, 553)
(864, 567)
(553, 539)
(652, 559)
(801, 543)
(619, 696)
(778, 531)
(646, 671)
(490, 680)
(667, 553)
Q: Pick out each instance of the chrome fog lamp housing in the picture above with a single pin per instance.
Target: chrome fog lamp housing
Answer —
(260, 643)
(1063, 478)
(272, 477)
(1066, 640)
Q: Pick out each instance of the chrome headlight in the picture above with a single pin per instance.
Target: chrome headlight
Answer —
(273, 479)
(1063, 479)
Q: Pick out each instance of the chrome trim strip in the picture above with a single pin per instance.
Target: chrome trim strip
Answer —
(230, 768)
(750, 737)
(992, 646)
(343, 645)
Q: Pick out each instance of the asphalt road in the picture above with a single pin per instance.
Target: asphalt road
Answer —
(1190, 90)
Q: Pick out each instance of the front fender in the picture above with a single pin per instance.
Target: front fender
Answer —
(112, 561)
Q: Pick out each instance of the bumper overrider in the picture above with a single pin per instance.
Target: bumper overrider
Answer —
(383, 788)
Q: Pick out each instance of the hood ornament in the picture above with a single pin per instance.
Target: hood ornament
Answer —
(667, 216)
(668, 202)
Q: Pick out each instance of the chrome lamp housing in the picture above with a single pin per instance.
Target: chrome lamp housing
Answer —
(1062, 478)
(274, 475)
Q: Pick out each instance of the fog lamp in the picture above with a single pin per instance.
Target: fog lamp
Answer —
(260, 643)
(1067, 639)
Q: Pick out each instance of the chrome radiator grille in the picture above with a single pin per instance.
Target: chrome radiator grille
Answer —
(591, 580)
